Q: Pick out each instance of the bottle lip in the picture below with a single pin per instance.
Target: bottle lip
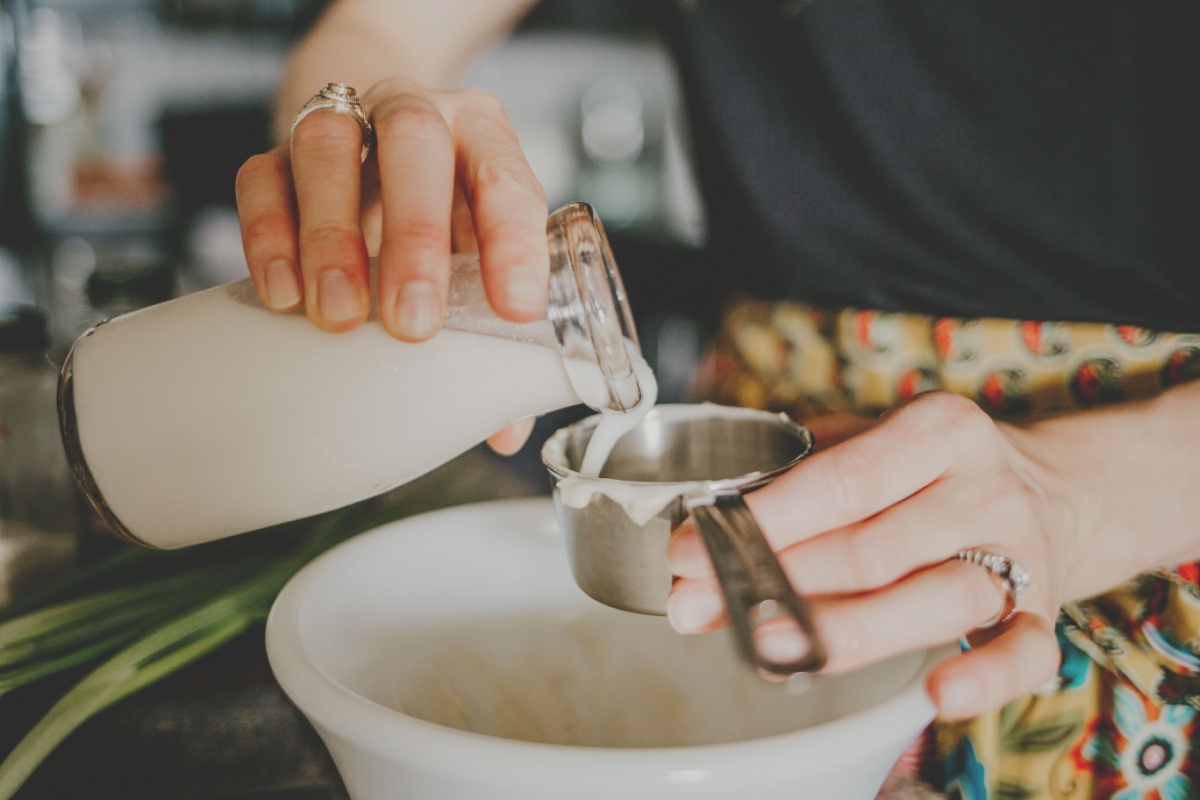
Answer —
(595, 302)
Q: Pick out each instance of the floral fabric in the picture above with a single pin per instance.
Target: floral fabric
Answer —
(1119, 720)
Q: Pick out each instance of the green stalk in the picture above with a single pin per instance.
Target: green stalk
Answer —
(125, 673)
(44, 633)
(26, 674)
(68, 585)
(167, 647)
(132, 564)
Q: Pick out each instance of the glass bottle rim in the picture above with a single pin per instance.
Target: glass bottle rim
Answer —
(589, 307)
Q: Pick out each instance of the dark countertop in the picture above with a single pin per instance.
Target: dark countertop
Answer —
(220, 728)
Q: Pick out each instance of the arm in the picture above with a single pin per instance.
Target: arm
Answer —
(870, 526)
(361, 42)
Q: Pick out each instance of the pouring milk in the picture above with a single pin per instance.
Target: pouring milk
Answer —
(210, 415)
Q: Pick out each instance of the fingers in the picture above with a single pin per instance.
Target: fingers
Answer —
(1022, 657)
(882, 549)
(508, 207)
(416, 161)
(446, 174)
(930, 608)
(925, 530)
(510, 440)
(267, 213)
(696, 605)
(325, 154)
(884, 465)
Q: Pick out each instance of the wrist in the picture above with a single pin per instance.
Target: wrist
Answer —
(1065, 504)
(1120, 487)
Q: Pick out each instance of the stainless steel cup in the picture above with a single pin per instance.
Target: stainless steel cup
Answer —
(697, 459)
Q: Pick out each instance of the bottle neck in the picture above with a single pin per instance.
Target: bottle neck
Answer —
(587, 318)
(590, 312)
(467, 308)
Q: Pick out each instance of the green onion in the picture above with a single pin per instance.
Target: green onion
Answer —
(148, 630)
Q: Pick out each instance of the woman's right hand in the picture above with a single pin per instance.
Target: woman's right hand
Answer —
(445, 174)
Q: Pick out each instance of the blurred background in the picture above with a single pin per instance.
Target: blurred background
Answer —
(125, 122)
(122, 126)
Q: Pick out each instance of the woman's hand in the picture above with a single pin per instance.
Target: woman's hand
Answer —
(446, 173)
(869, 527)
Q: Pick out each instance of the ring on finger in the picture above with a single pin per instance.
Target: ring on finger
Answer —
(341, 99)
(1012, 576)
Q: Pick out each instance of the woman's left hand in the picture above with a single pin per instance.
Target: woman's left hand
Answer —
(868, 529)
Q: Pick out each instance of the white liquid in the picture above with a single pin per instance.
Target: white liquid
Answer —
(209, 415)
(613, 424)
(641, 502)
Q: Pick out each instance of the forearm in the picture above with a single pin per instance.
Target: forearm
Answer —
(1126, 479)
(360, 42)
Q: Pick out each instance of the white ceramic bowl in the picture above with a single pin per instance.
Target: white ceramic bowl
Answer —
(469, 618)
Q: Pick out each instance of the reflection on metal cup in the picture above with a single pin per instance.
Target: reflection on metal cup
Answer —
(682, 459)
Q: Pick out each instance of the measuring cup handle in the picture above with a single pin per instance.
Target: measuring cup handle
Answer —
(755, 587)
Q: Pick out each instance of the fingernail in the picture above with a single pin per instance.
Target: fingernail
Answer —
(526, 290)
(338, 298)
(283, 290)
(418, 310)
(693, 610)
(510, 440)
(957, 696)
(686, 554)
(782, 645)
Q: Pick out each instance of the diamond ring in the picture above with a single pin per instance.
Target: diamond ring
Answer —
(344, 100)
(1012, 574)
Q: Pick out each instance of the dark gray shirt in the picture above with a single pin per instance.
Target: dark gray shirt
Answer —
(1011, 158)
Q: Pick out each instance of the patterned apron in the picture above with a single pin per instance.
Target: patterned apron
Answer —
(1119, 719)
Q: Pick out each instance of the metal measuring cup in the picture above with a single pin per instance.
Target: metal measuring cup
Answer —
(697, 459)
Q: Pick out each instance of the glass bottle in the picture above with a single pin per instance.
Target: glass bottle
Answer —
(209, 415)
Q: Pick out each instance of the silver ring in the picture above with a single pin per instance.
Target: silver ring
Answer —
(1013, 577)
(344, 100)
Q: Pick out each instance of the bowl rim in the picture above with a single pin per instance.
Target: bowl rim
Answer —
(332, 706)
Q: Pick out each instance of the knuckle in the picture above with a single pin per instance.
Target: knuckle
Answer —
(392, 86)
(325, 131)
(424, 233)
(963, 415)
(482, 102)
(946, 408)
(957, 419)
(504, 169)
(332, 236)
(265, 227)
(411, 118)
(257, 168)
